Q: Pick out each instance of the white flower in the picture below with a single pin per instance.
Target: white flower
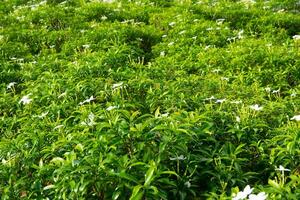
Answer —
(275, 91)
(207, 47)
(25, 99)
(220, 100)
(90, 99)
(165, 115)
(220, 21)
(87, 100)
(171, 43)
(240, 34)
(238, 119)
(187, 184)
(259, 196)
(172, 23)
(281, 11)
(231, 39)
(181, 32)
(296, 37)
(162, 54)
(181, 157)
(90, 121)
(256, 107)
(296, 117)
(103, 18)
(194, 38)
(111, 108)
(243, 194)
(163, 36)
(248, 190)
(10, 85)
(86, 46)
(117, 85)
(224, 78)
(210, 98)
(282, 169)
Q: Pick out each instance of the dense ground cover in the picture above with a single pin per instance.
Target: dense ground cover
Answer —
(149, 99)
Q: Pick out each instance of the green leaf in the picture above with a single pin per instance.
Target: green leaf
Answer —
(126, 176)
(273, 184)
(170, 172)
(157, 113)
(136, 193)
(149, 174)
(79, 147)
(116, 195)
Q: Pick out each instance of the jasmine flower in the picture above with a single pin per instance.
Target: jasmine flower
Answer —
(10, 85)
(187, 184)
(25, 99)
(210, 98)
(259, 196)
(87, 100)
(224, 78)
(103, 18)
(220, 100)
(256, 107)
(236, 102)
(172, 23)
(86, 46)
(171, 43)
(117, 85)
(181, 32)
(243, 194)
(296, 117)
(220, 21)
(296, 37)
(282, 169)
(111, 108)
(181, 157)
(90, 121)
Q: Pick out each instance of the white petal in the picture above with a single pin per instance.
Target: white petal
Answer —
(247, 190)
(116, 85)
(296, 117)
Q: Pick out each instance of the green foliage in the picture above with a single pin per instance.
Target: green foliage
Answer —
(150, 99)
